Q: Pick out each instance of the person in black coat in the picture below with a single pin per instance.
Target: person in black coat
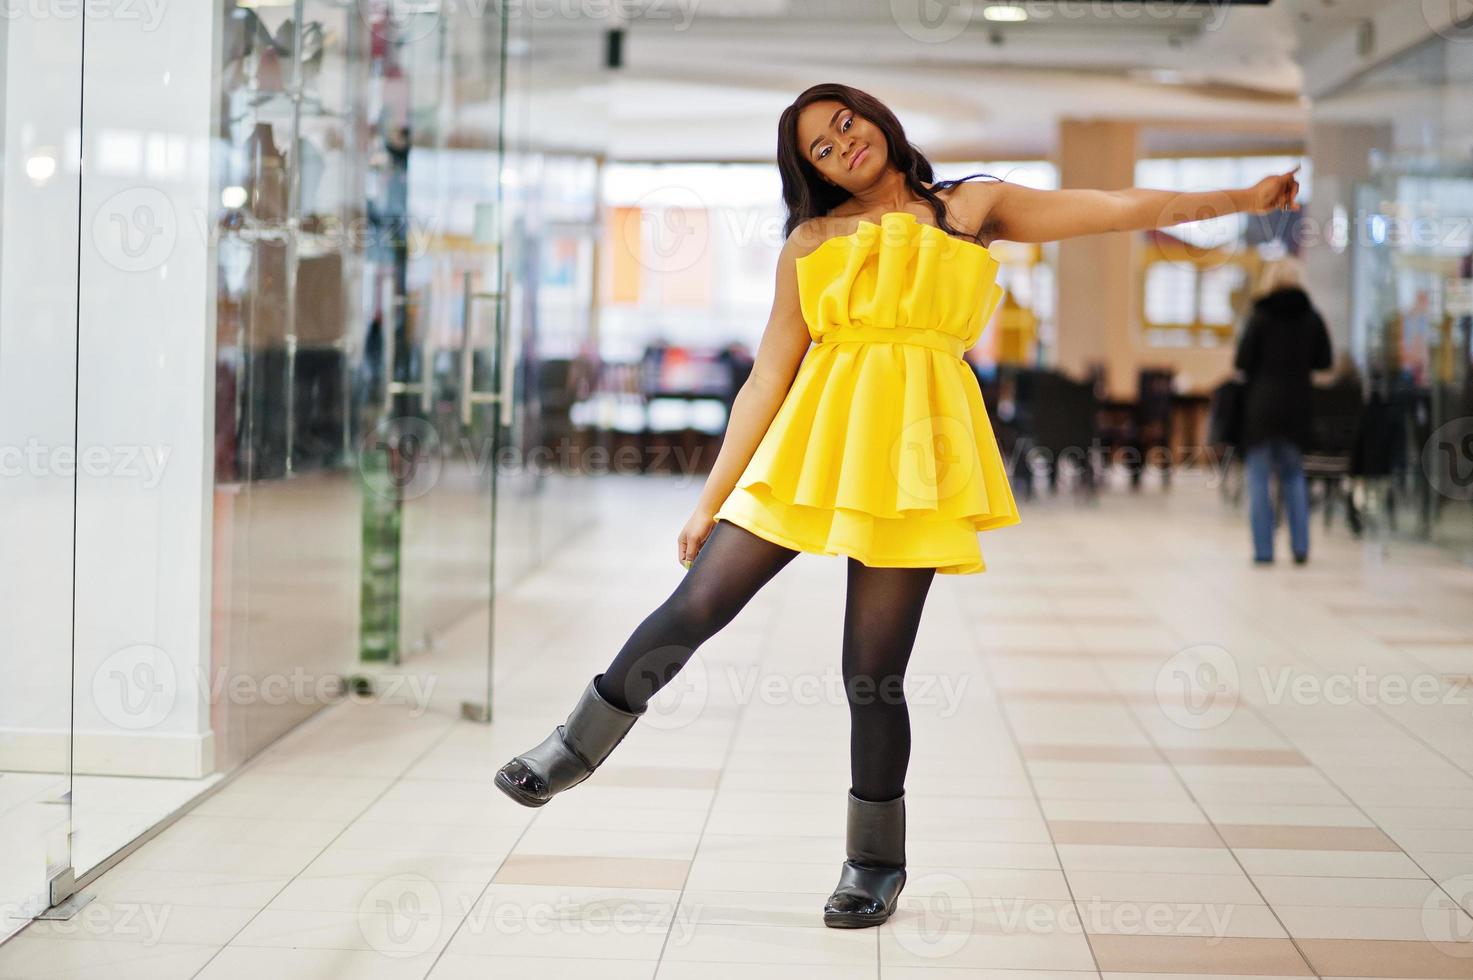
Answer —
(1283, 342)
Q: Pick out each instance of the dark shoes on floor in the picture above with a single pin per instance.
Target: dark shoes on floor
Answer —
(872, 877)
(1298, 560)
(571, 753)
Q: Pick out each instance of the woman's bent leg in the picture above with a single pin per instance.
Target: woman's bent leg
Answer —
(728, 571)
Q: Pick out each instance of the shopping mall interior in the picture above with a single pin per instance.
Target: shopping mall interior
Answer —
(361, 362)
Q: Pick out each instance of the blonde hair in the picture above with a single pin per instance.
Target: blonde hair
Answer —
(1285, 272)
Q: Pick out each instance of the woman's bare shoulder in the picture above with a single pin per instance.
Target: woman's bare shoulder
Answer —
(813, 232)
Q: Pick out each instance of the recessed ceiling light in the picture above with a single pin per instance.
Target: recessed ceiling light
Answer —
(1005, 12)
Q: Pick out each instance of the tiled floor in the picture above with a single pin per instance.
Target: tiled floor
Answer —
(1134, 754)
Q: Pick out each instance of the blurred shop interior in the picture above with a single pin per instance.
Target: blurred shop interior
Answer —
(389, 290)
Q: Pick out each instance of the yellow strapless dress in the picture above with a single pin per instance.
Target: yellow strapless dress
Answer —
(882, 449)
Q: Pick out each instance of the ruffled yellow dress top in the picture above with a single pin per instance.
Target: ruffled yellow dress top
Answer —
(882, 449)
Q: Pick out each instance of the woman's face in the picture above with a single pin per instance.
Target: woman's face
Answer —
(842, 145)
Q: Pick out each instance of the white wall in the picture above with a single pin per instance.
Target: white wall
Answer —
(40, 72)
(38, 261)
(143, 395)
(146, 396)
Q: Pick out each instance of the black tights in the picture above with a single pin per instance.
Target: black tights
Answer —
(882, 613)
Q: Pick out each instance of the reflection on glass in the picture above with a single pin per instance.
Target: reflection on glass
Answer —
(40, 99)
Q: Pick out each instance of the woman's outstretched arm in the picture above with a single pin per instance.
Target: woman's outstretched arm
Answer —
(784, 342)
(1014, 213)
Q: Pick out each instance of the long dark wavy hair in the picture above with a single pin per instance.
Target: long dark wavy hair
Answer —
(807, 195)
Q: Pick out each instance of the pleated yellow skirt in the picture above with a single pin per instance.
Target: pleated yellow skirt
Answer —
(882, 449)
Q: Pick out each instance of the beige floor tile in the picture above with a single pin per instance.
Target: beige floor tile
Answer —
(208, 889)
(979, 854)
(975, 884)
(1235, 757)
(1186, 976)
(720, 875)
(1346, 864)
(916, 942)
(1170, 860)
(1236, 889)
(367, 893)
(1413, 924)
(641, 844)
(1134, 833)
(1183, 954)
(1385, 958)
(403, 931)
(462, 966)
(1182, 811)
(896, 972)
(167, 853)
(28, 957)
(443, 838)
(385, 862)
(1286, 815)
(718, 943)
(562, 869)
(765, 908)
(1208, 920)
(1083, 791)
(692, 970)
(147, 923)
(1303, 838)
(1141, 755)
(1347, 893)
(1393, 818)
(255, 962)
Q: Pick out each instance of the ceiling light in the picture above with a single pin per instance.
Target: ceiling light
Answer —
(1004, 12)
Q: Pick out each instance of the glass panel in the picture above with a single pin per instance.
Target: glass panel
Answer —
(221, 339)
(442, 113)
(40, 119)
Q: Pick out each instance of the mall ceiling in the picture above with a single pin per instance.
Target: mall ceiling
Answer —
(706, 79)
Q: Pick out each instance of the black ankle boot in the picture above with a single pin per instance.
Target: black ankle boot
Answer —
(571, 753)
(872, 877)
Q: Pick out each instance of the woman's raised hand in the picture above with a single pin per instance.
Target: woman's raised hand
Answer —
(1275, 192)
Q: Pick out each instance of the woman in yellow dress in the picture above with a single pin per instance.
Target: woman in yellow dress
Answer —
(861, 432)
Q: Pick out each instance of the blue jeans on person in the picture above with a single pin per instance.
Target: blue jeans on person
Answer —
(1283, 459)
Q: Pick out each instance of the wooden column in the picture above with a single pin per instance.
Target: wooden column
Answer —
(1096, 289)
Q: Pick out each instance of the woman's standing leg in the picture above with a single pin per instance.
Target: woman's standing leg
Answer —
(882, 614)
(731, 566)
